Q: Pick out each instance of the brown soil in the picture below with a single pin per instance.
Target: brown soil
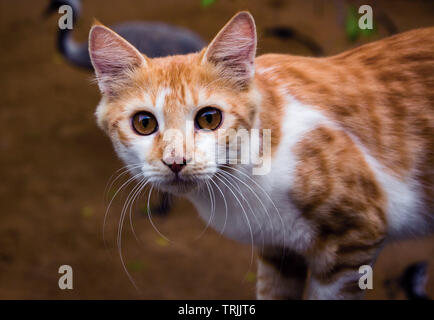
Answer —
(55, 162)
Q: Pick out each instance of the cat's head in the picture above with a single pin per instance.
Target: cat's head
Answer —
(166, 116)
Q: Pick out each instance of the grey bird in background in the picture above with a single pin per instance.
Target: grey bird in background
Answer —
(412, 281)
(154, 39)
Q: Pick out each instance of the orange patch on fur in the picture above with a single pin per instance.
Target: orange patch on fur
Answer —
(335, 189)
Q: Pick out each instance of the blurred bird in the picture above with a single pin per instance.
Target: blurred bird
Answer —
(285, 32)
(154, 39)
(413, 281)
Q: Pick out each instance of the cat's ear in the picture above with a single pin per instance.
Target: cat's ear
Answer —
(233, 50)
(113, 58)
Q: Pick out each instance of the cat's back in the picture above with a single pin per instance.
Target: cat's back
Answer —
(381, 94)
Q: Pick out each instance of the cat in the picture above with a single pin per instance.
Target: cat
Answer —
(351, 148)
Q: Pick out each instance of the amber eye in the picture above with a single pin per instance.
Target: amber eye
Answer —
(144, 123)
(208, 118)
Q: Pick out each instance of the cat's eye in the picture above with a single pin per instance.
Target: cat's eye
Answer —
(144, 123)
(208, 118)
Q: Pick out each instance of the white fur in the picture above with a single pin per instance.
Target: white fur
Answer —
(331, 291)
(159, 106)
(404, 203)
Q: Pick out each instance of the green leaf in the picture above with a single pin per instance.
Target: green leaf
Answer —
(369, 32)
(136, 265)
(207, 3)
(162, 242)
(87, 211)
(352, 24)
(144, 210)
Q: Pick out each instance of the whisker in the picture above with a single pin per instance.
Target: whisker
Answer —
(150, 217)
(260, 201)
(273, 204)
(211, 215)
(119, 235)
(110, 203)
(245, 216)
(136, 195)
(266, 194)
(124, 170)
(226, 205)
(222, 173)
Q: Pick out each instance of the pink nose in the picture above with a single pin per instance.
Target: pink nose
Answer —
(176, 167)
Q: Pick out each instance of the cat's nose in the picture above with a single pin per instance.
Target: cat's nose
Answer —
(176, 167)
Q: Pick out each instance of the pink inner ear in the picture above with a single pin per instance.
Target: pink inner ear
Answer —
(234, 48)
(111, 56)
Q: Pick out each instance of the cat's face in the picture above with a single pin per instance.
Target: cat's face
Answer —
(171, 119)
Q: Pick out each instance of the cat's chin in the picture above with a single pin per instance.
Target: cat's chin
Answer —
(177, 186)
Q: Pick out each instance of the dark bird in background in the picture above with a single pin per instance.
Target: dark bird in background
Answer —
(154, 39)
(285, 32)
(412, 281)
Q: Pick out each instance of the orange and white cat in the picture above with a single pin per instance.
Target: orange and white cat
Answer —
(351, 148)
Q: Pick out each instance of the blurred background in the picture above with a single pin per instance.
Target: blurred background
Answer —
(55, 164)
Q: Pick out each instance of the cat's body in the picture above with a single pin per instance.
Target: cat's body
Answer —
(352, 151)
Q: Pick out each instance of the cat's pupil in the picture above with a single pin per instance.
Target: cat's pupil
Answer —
(145, 122)
(208, 117)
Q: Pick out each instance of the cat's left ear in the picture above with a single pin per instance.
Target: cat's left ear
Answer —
(233, 50)
(113, 58)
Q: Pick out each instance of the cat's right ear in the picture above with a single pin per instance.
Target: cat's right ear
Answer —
(113, 58)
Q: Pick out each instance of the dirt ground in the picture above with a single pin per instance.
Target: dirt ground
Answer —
(55, 162)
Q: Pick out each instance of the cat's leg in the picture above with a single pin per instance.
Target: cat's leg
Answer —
(341, 279)
(338, 193)
(281, 275)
